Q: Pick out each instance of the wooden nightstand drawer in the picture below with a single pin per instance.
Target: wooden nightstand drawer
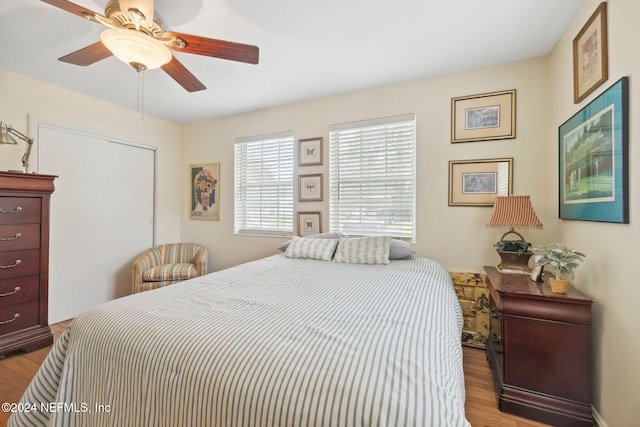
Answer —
(19, 263)
(20, 210)
(19, 290)
(18, 317)
(18, 237)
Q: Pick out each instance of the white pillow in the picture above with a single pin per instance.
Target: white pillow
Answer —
(329, 235)
(305, 247)
(364, 250)
(399, 249)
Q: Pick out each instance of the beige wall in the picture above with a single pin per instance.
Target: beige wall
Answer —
(455, 236)
(23, 97)
(610, 273)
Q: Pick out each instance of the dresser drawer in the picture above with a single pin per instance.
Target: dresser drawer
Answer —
(19, 290)
(18, 237)
(19, 263)
(18, 317)
(20, 210)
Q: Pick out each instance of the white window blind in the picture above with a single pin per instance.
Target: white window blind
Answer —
(264, 184)
(372, 177)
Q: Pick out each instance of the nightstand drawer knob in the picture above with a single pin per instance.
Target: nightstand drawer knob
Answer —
(8, 239)
(15, 264)
(15, 290)
(15, 316)
(16, 210)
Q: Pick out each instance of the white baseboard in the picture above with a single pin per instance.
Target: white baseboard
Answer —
(597, 418)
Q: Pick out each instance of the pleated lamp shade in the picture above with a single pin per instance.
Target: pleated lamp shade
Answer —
(513, 211)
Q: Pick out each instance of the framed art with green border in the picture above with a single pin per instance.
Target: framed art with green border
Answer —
(593, 159)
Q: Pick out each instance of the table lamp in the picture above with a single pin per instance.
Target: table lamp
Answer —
(511, 212)
(7, 136)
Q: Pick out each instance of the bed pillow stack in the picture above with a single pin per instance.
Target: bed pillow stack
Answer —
(355, 250)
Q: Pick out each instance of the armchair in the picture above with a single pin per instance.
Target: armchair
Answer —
(168, 264)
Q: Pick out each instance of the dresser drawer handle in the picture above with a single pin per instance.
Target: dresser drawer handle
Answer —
(15, 316)
(7, 239)
(17, 263)
(18, 209)
(15, 290)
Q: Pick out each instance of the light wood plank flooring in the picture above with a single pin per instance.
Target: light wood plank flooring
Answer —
(481, 406)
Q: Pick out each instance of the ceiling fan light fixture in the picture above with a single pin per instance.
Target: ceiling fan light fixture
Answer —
(137, 49)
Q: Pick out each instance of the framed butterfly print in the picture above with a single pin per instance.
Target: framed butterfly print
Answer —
(309, 151)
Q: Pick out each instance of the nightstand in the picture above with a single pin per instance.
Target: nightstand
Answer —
(539, 349)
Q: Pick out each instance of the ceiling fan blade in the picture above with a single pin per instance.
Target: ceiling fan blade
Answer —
(215, 48)
(73, 8)
(183, 76)
(87, 55)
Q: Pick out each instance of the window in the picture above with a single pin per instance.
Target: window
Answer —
(264, 184)
(372, 177)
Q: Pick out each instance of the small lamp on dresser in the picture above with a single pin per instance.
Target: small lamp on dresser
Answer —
(8, 136)
(510, 212)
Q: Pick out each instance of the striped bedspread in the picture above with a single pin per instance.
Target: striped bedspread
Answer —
(274, 342)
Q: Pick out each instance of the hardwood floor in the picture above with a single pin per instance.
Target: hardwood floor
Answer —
(481, 406)
(16, 371)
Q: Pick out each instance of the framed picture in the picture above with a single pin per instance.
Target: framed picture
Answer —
(593, 154)
(483, 117)
(536, 273)
(309, 223)
(590, 64)
(309, 151)
(479, 182)
(205, 191)
(310, 188)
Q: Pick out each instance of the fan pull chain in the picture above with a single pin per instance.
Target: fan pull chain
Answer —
(140, 100)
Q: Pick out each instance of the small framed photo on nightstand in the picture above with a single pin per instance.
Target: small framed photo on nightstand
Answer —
(536, 273)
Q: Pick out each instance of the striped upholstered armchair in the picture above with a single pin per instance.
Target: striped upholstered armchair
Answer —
(168, 264)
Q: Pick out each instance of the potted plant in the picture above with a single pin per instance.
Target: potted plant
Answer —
(564, 261)
(514, 254)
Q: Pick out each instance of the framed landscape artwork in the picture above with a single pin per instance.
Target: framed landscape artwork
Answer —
(483, 117)
(590, 55)
(479, 182)
(205, 191)
(593, 154)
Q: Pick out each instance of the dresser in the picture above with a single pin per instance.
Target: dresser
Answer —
(539, 349)
(24, 261)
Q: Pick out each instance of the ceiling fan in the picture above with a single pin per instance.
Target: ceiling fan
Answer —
(140, 39)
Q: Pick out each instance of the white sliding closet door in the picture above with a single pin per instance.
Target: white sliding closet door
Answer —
(101, 217)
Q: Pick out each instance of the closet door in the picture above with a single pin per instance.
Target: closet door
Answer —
(101, 217)
(129, 214)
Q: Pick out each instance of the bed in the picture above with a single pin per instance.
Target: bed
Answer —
(275, 342)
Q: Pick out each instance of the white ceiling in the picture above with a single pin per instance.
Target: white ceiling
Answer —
(308, 48)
